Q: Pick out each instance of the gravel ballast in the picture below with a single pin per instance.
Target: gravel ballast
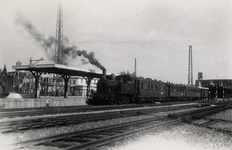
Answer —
(175, 137)
(182, 137)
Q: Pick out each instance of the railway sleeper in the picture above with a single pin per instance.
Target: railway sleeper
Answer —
(35, 126)
(55, 144)
(76, 139)
(18, 128)
(106, 132)
(116, 131)
(60, 123)
(93, 136)
(48, 124)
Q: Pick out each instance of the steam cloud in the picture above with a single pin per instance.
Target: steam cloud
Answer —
(47, 44)
(74, 53)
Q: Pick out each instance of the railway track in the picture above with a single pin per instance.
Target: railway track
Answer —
(6, 113)
(95, 137)
(64, 120)
(210, 122)
(58, 110)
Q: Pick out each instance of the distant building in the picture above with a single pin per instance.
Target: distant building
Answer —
(50, 84)
(6, 81)
(219, 88)
(78, 86)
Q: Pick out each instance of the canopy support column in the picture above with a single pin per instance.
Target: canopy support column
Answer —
(37, 76)
(66, 80)
(88, 81)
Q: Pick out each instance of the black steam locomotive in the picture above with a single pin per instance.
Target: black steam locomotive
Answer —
(127, 89)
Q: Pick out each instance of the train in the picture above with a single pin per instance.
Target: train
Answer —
(128, 89)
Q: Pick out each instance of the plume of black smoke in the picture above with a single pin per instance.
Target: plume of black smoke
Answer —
(47, 45)
(74, 53)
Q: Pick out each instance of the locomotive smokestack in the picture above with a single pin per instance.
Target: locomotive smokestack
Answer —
(103, 73)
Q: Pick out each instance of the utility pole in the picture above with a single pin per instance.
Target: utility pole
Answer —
(190, 67)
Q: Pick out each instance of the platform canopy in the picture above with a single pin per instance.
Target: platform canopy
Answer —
(58, 69)
(65, 71)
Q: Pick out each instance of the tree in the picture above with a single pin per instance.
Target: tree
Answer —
(127, 73)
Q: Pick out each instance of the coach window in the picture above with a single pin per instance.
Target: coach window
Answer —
(149, 86)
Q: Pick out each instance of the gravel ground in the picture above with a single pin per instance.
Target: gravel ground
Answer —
(181, 137)
(37, 133)
(226, 115)
(175, 137)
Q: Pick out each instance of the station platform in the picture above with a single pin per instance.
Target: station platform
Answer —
(10, 103)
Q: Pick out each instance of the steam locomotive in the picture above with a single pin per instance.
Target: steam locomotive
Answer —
(127, 89)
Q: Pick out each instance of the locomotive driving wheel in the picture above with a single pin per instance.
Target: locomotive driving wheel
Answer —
(120, 100)
(126, 100)
(112, 99)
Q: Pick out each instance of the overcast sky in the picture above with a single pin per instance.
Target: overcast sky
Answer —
(156, 32)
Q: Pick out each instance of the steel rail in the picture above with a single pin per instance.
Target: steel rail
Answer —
(7, 113)
(207, 124)
(113, 132)
(11, 126)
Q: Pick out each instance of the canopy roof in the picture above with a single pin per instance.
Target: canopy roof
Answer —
(58, 69)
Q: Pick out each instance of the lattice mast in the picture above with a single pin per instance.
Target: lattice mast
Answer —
(59, 56)
(190, 67)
